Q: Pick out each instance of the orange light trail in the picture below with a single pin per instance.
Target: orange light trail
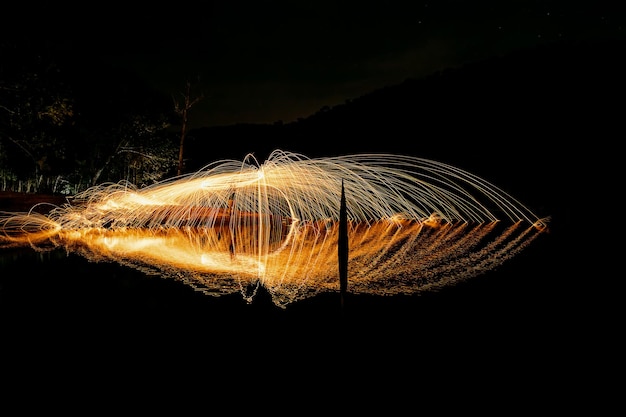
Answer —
(413, 225)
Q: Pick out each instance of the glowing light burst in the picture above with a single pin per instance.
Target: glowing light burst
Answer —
(413, 225)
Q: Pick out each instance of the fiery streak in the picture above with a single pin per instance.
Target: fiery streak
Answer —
(414, 225)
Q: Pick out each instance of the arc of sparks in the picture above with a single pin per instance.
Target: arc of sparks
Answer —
(413, 225)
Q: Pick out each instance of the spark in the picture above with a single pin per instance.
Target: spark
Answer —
(413, 225)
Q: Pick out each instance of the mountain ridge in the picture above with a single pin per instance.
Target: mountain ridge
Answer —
(539, 88)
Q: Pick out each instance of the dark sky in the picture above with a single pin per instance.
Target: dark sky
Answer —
(264, 61)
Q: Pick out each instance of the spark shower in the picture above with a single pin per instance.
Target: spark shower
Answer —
(413, 225)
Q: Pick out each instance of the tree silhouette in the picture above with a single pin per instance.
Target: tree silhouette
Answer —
(182, 109)
(69, 122)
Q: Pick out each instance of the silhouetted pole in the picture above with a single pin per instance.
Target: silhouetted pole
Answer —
(342, 247)
(231, 208)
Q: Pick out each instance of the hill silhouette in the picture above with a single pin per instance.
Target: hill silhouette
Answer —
(529, 121)
(520, 96)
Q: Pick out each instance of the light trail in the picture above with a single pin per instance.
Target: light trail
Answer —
(413, 225)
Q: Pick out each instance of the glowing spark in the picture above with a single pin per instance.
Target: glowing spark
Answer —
(413, 225)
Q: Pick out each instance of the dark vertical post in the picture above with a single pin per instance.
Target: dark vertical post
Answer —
(342, 246)
(232, 227)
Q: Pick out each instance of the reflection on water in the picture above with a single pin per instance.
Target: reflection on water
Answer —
(59, 291)
(385, 258)
(60, 309)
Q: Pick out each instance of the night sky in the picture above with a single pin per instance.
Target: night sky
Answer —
(261, 62)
